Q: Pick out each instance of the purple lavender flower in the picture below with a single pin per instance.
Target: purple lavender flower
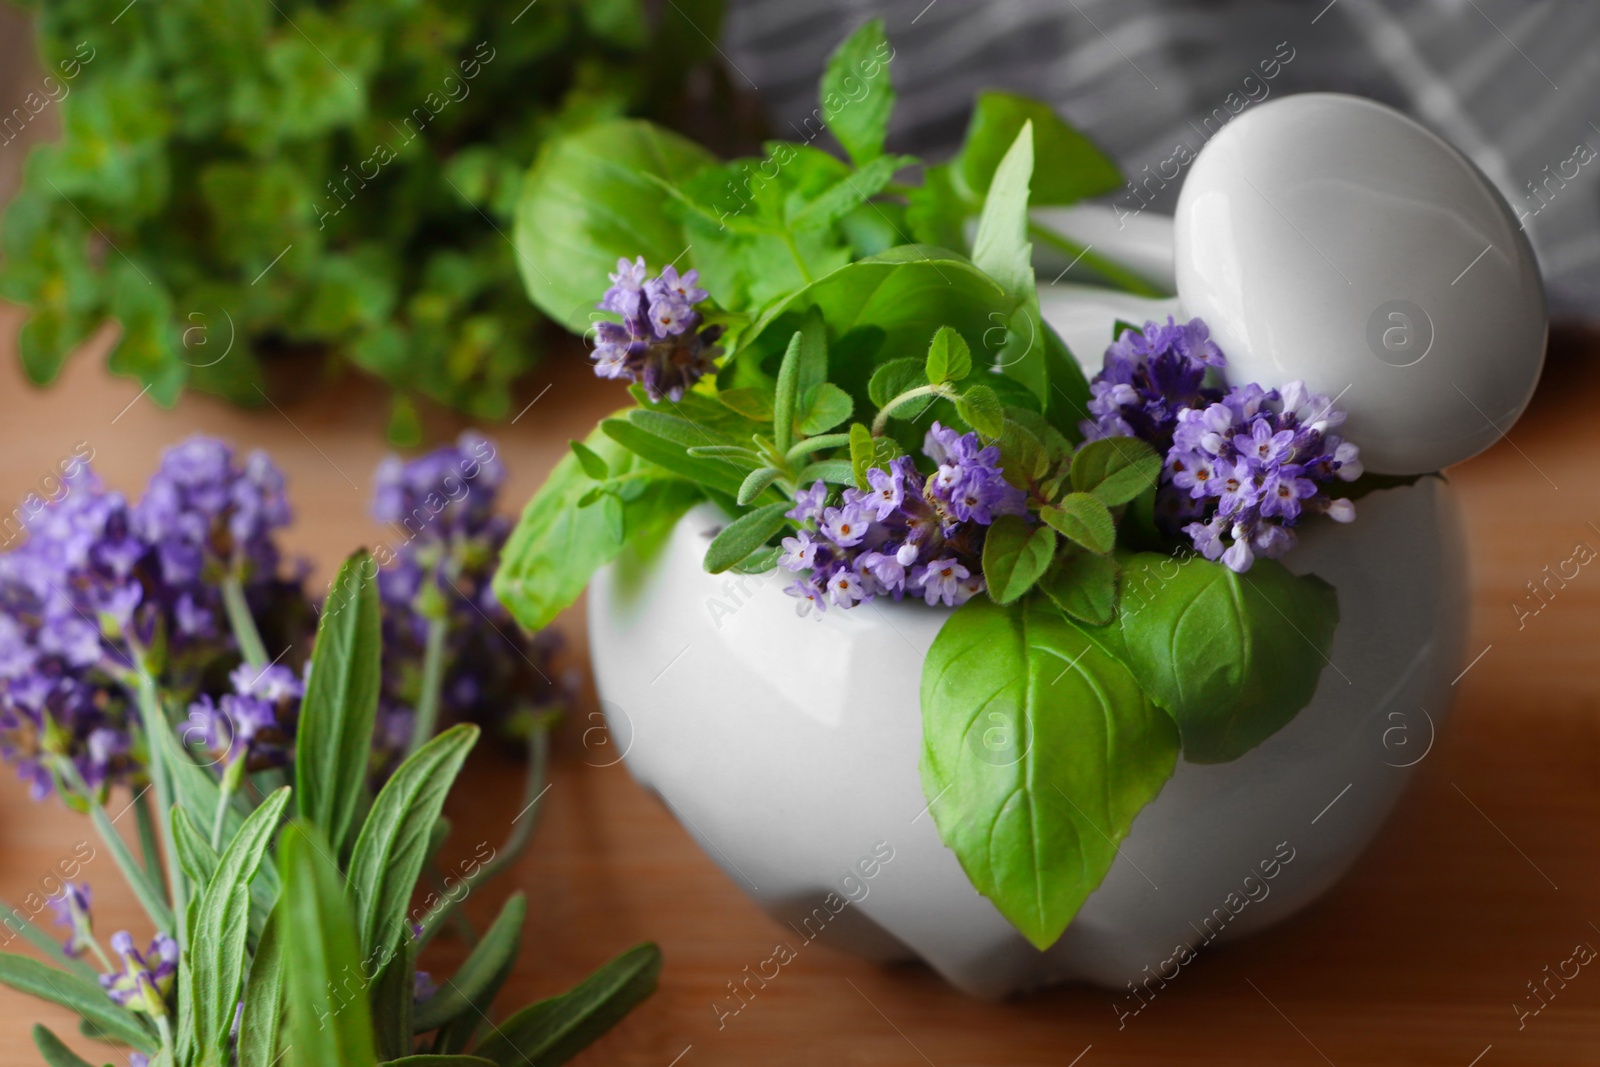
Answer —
(145, 982)
(1148, 377)
(71, 906)
(209, 515)
(1243, 467)
(443, 505)
(422, 986)
(910, 533)
(659, 342)
(256, 722)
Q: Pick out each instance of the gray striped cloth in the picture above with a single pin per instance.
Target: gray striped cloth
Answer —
(1514, 84)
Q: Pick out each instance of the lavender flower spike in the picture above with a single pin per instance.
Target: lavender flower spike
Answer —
(659, 342)
(71, 906)
(145, 982)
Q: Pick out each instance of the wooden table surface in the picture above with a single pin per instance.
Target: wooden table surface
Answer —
(1417, 958)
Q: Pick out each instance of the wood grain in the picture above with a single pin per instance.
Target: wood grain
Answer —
(1488, 872)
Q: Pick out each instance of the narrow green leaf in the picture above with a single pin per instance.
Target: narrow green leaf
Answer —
(195, 854)
(834, 471)
(1015, 554)
(856, 93)
(393, 843)
(1039, 749)
(713, 473)
(1084, 519)
(79, 995)
(1083, 585)
(493, 954)
(1000, 248)
(430, 1060)
(745, 535)
(783, 407)
(756, 484)
(590, 461)
(261, 1025)
(552, 1031)
(949, 357)
(750, 402)
(393, 999)
(1115, 469)
(16, 920)
(1232, 657)
(325, 986)
(818, 444)
(54, 1050)
(217, 954)
(333, 746)
(980, 406)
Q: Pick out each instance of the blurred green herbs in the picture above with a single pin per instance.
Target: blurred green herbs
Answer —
(242, 181)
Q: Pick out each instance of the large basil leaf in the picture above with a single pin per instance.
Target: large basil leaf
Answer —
(557, 546)
(903, 296)
(588, 201)
(333, 747)
(1232, 657)
(1069, 166)
(1038, 749)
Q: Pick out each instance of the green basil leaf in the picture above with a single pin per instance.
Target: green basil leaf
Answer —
(217, 953)
(1069, 166)
(1015, 554)
(982, 410)
(495, 952)
(1068, 402)
(936, 212)
(670, 455)
(745, 535)
(590, 461)
(1083, 585)
(393, 844)
(588, 201)
(1232, 657)
(825, 406)
(1115, 469)
(1039, 749)
(949, 357)
(756, 484)
(557, 546)
(261, 1028)
(856, 93)
(325, 985)
(334, 743)
(80, 996)
(54, 1050)
(1084, 519)
(889, 300)
(552, 1031)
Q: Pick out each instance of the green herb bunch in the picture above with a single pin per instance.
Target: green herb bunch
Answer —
(300, 946)
(240, 182)
(846, 325)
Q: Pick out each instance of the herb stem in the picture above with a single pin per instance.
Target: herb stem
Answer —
(427, 716)
(153, 718)
(799, 261)
(882, 420)
(1128, 280)
(243, 624)
(149, 847)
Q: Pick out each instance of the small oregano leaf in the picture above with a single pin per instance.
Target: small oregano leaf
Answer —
(980, 406)
(1015, 554)
(1084, 519)
(949, 357)
(1115, 469)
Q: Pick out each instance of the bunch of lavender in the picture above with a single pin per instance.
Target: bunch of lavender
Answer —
(659, 342)
(1241, 468)
(458, 656)
(103, 589)
(910, 533)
